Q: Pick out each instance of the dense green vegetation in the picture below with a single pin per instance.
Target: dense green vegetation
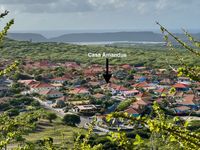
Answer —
(124, 104)
(157, 56)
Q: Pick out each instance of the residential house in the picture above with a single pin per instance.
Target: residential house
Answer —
(132, 111)
(144, 96)
(190, 101)
(165, 81)
(99, 96)
(117, 89)
(181, 87)
(39, 87)
(130, 93)
(28, 82)
(143, 85)
(182, 109)
(79, 91)
(85, 109)
(59, 80)
(161, 91)
(51, 93)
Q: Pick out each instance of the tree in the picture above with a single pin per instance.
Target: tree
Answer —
(13, 112)
(71, 119)
(3, 33)
(125, 104)
(13, 128)
(51, 116)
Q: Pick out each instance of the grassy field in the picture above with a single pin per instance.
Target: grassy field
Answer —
(62, 135)
(59, 132)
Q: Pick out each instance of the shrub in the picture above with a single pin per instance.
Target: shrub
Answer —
(71, 119)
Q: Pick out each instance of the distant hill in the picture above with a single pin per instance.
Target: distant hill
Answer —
(27, 37)
(116, 36)
(146, 36)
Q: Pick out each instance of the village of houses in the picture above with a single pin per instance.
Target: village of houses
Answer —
(82, 89)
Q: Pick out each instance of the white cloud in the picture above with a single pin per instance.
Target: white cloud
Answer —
(161, 4)
(142, 8)
(67, 6)
(61, 14)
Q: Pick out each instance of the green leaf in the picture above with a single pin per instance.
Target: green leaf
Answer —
(138, 140)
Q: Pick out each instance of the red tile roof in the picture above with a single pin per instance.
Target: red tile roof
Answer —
(118, 87)
(180, 85)
(142, 102)
(140, 85)
(42, 85)
(160, 90)
(27, 82)
(188, 99)
(98, 95)
(49, 92)
(143, 95)
(79, 91)
(182, 108)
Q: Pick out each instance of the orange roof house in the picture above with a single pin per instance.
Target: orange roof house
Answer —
(140, 85)
(180, 85)
(126, 66)
(28, 82)
(42, 87)
(117, 87)
(51, 93)
(99, 96)
(190, 100)
(79, 90)
(132, 112)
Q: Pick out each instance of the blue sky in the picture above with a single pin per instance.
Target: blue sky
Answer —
(33, 15)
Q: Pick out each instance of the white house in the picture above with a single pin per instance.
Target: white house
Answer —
(130, 93)
(59, 80)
